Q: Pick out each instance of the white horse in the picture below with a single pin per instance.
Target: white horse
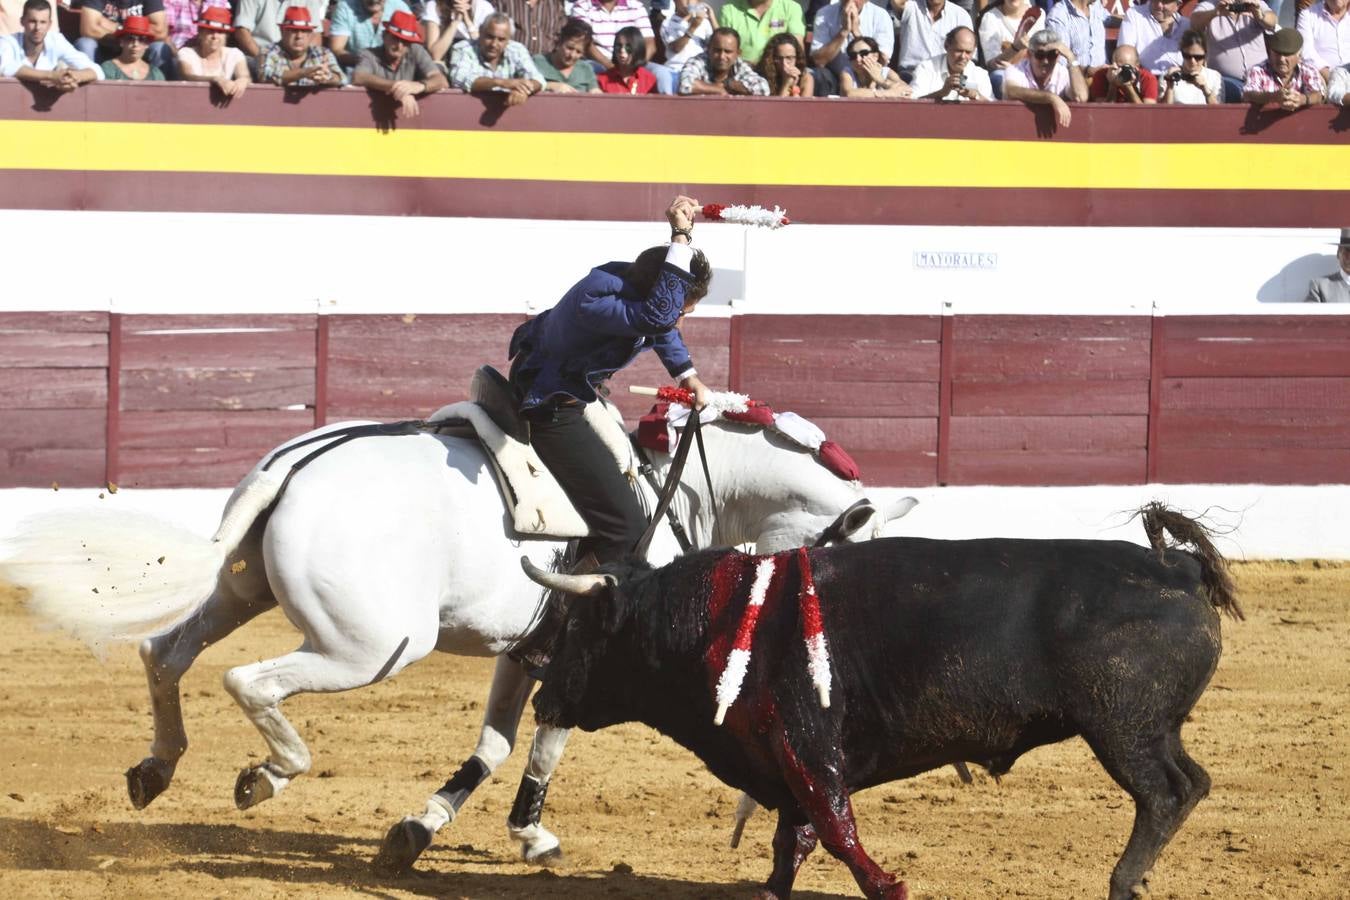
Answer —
(379, 552)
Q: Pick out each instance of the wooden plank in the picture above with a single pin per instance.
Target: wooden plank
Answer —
(321, 362)
(1036, 329)
(944, 429)
(1316, 328)
(452, 326)
(1256, 393)
(47, 466)
(113, 409)
(265, 348)
(29, 349)
(806, 359)
(848, 398)
(1056, 467)
(1056, 360)
(49, 429)
(177, 322)
(257, 430)
(890, 468)
(1255, 429)
(970, 433)
(175, 467)
(54, 321)
(887, 435)
(884, 329)
(53, 388)
(1245, 357)
(217, 388)
(1289, 465)
(1050, 398)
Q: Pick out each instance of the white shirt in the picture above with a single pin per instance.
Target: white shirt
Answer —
(1326, 42)
(996, 29)
(931, 74)
(873, 21)
(674, 28)
(1338, 85)
(920, 37)
(1158, 52)
(56, 51)
(1187, 93)
(480, 10)
(1020, 76)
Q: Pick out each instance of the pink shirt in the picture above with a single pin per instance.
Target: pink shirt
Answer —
(1059, 84)
(1326, 42)
(192, 64)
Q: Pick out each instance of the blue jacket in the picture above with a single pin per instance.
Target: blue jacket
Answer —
(598, 327)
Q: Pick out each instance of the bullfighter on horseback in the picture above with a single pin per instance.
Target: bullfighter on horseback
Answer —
(563, 356)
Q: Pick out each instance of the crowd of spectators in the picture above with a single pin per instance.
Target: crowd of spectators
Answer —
(947, 51)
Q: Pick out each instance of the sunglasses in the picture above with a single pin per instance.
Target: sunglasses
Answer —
(857, 54)
(789, 58)
(1046, 55)
(1194, 56)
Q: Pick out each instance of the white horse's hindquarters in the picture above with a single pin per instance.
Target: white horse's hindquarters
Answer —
(387, 538)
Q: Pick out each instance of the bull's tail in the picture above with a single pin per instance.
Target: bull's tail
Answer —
(108, 576)
(1188, 532)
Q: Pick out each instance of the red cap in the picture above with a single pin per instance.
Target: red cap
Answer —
(215, 18)
(137, 25)
(403, 25)
(296, 18)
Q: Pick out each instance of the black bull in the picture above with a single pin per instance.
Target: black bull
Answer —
(940, 652)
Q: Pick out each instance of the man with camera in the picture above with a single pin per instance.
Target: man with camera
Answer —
(953, 76)
(1236, 29)
(1154, 29)
(1124, 81)
(1193, 82)
(1284, 79)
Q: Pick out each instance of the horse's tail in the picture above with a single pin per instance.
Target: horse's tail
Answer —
(108, 576)
(1186, 531)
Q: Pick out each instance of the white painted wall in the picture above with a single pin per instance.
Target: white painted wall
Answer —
(1256, 521)
(324, 264)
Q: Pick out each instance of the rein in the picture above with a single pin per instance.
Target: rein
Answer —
(692, 432)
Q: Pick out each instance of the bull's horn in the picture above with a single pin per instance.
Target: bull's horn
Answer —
(583, 585)
(897, 508)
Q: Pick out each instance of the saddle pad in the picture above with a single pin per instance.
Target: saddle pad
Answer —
(536, 502)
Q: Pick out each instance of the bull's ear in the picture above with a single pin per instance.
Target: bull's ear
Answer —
(855, 518)
(897, 509)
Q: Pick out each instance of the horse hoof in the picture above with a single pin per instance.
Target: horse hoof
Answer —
(402, 846)
(255, 785)
(147, 780)
(544, 857)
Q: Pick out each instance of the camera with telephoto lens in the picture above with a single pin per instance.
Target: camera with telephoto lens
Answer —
(1174, 77)
(1127, 74)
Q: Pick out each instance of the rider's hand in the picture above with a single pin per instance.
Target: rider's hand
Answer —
(680, 215)
(699, 390)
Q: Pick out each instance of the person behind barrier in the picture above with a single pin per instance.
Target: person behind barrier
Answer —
(1193, 83)
(758, 22)
(101, 22)
(1285, 79)
(358, 25)
(868, 75)
(1325, 27)
(565, 68)
(1154, 29)
(1124, 81)
(686, 30)
(952, 76)
(1083, 24)
(448, 22)
(41, 56)
(720, 69)
(1236, 29)
(784, 68)
(131, 64)
(206, 58)
(1334, 288)
(259, 25)
(297, 61)
(401, 68)
(835, 27)
(1004, 30)
(924, 26)
(627, 76)
(1049, 76)
(563, 356)
(494, 62)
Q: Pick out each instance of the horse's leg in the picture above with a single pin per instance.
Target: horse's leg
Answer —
(259, 688)
(537, 843)
(238, 598)
(406, 840)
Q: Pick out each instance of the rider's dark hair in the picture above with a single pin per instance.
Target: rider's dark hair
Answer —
(641, 272)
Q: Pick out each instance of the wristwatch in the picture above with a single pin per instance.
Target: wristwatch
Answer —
(687, 232)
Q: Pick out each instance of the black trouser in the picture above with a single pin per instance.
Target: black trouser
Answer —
(588, 472)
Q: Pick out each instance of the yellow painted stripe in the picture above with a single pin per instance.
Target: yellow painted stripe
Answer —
(642, 158)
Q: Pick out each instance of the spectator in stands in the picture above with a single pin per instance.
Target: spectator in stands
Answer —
(868, 75)
(298, 61)
(565, 69)
(1083, 23)
(1154, 30)
(537, 22)
(1048, 76)
(402, 68)
(759, 21)
(130, 64)
(1193, 83)
(924, 26)
(41, 55)
(1338, 89)
(606, 17)
(783, 67)
(953, 76)
(686, 30)
(1285, 78)
(1334, 288)
(1236, 29)
(720, 70)
(495, 63)
(182, 17)
(207, 58)
(450, 21)
(834, 27)
(1326, 35)
(356, 27)
(1124, 81)
(627, 76)
(100, 21)
(1004, 32)
(257, 25)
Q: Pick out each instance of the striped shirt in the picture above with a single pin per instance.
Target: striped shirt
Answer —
(606, 23)
(1305, 79)
(537, 24)
(1085, 32)
(182, 16)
